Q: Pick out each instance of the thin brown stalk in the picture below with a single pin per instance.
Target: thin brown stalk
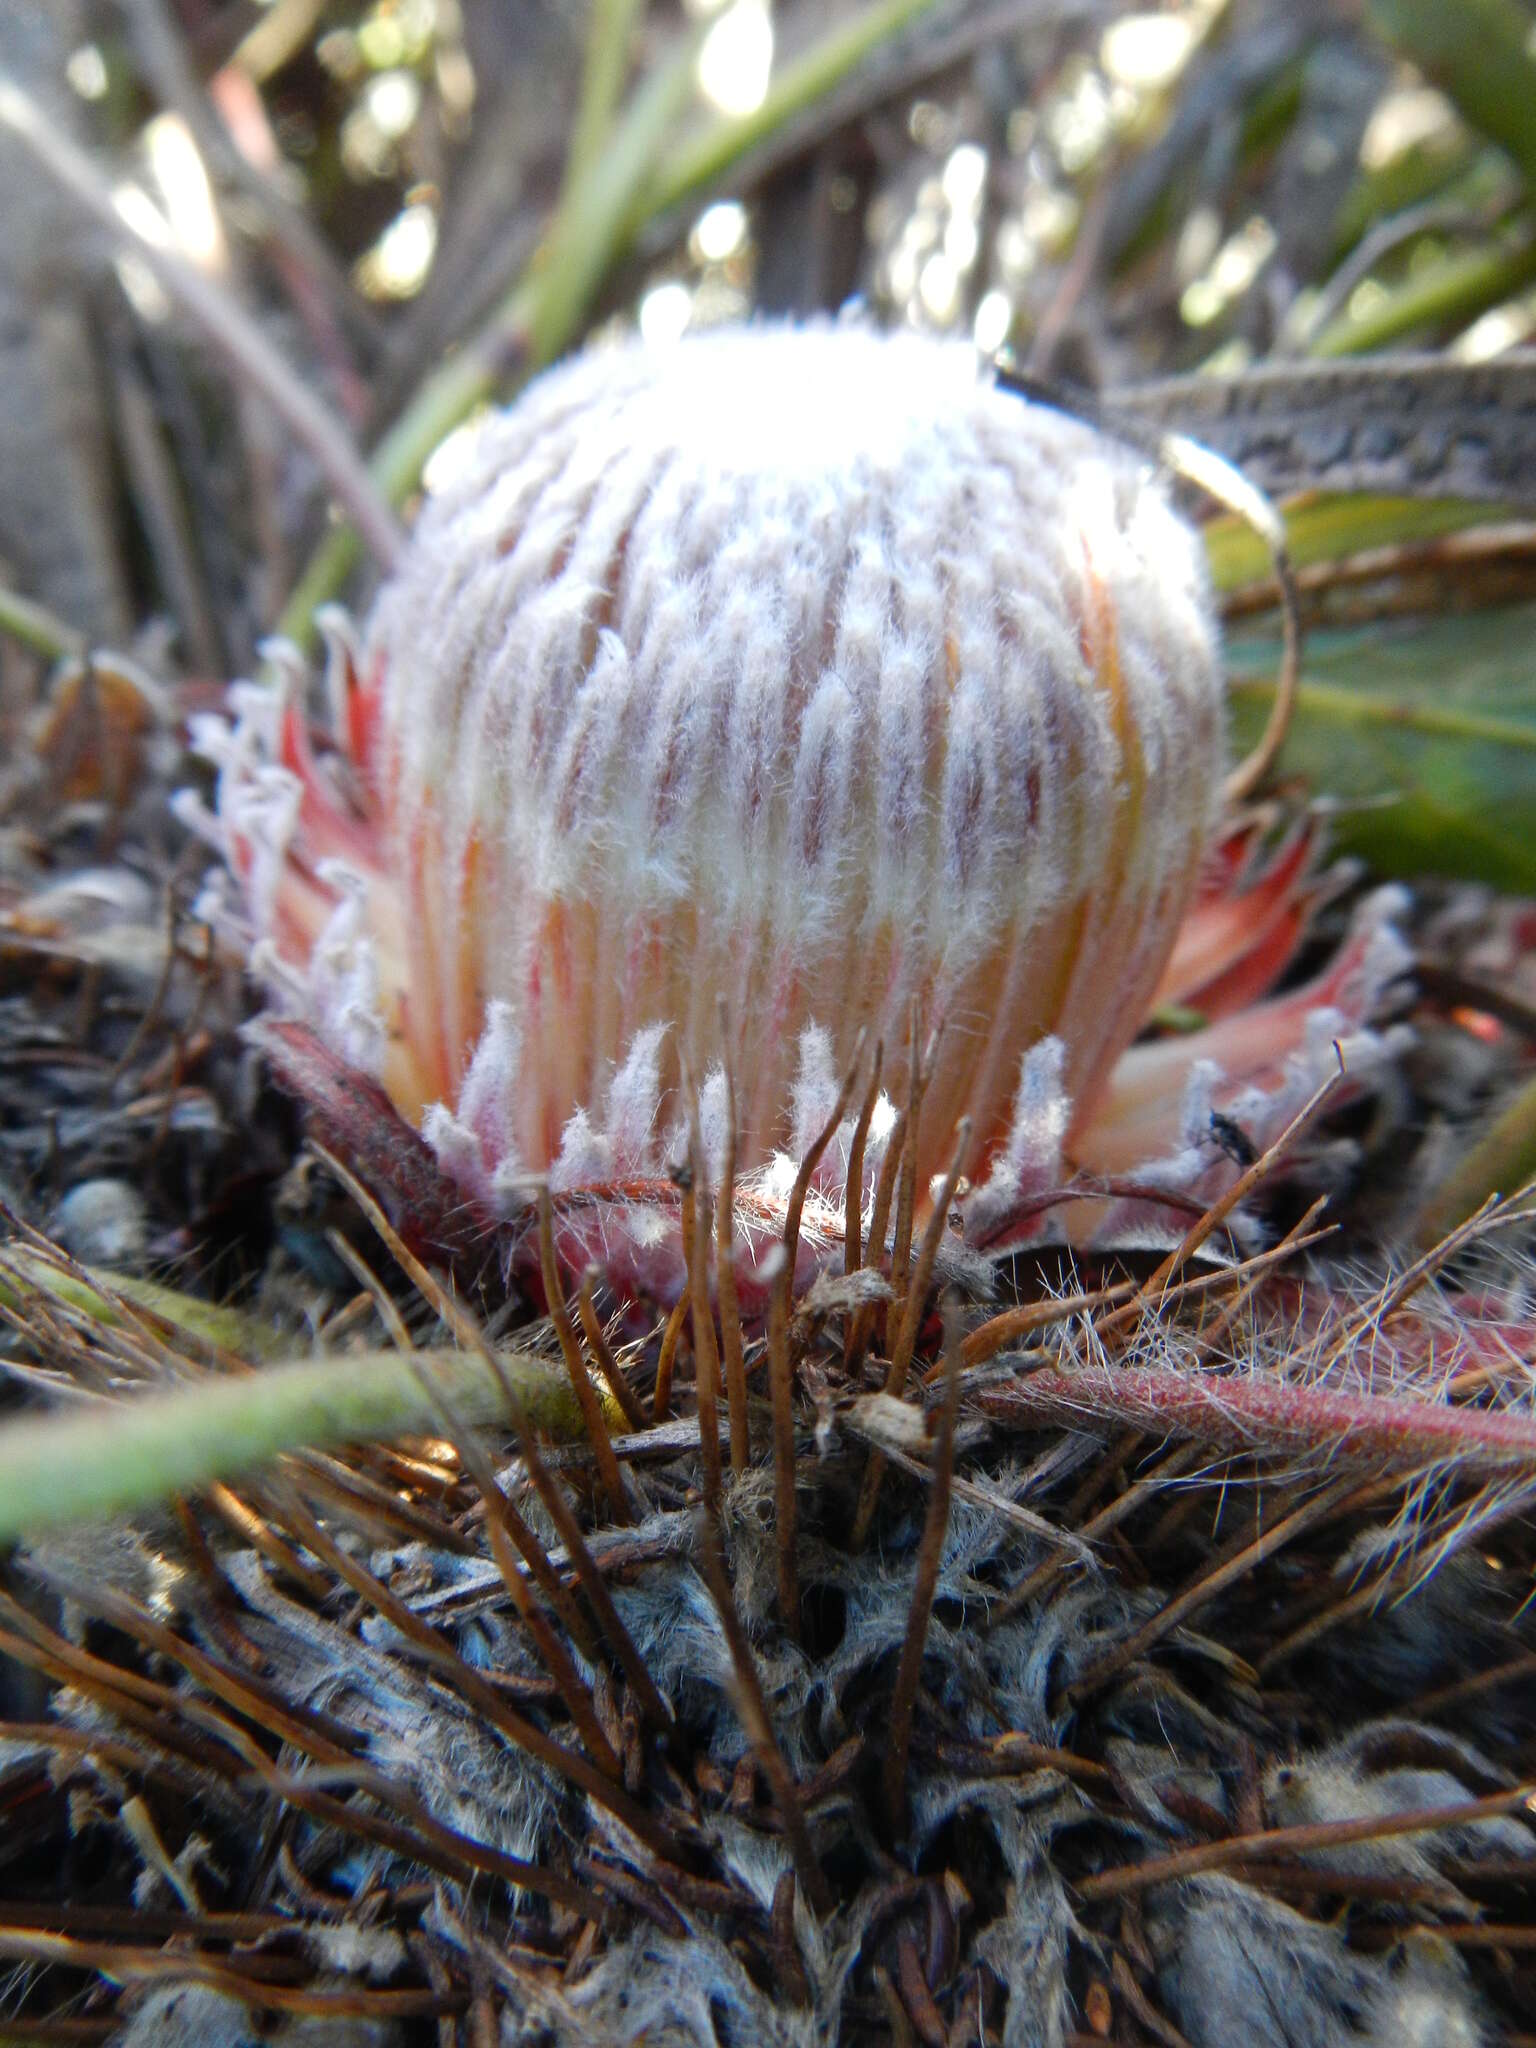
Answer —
(387, 1310)
(362, 1496)
(808, 1165)
(592, 1415)
(498, 1509)
(752, 1707)
(1001, 1331)
(853, 1251)
(426, 1840)
(169, 1724)
(922, 1272)
(476, 1690)
(780, 1366)
(666, 1359)
(982, 1496)
(1335, 1498)
(1156, 2025)
(469, 1334)
(906, 1336)
(924, 1584)
(897, 2019)
(862, 1326)
(706, 1358)
(1417, 1275)
(1252, 1273)
(725, 1271)
(1514, 1672)
(158, 1710)
(922, 2007)
(252, 1697)
(129, 1963)
(906, 1184)
(782, 1392)
(1174, 1466)
(254, 1529)
(1485, 1934)
(786, 1949)
(149, 1923)
(607, 1364)
(1360, 1601)
(1270, 1844)
(155, 1762)
(1012, 1756)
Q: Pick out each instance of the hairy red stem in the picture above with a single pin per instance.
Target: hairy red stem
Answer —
(1270, 1414)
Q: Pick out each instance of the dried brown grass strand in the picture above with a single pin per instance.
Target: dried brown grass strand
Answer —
(753, 1710)
(609, 1476)
(924, 1584)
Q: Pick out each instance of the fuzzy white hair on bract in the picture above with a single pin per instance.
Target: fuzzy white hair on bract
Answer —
(798, 668)
(799, 678)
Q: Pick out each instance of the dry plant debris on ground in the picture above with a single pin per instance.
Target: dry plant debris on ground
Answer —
(1135, 1649)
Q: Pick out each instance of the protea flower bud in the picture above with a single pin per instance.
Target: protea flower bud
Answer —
(799, 668)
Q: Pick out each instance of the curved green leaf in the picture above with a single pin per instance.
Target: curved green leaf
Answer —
(1423, 729)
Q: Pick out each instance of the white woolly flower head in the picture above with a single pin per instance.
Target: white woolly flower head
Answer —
(800, 668)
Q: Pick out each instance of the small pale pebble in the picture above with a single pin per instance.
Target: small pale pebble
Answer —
(103, 1222)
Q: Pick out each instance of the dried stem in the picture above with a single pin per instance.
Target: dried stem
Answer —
(130, 1963)
(853, 1253)
(780, 1367)
(1174, 1466)
(522, 1733)
(725, 1271)
(906, 1183)
(581, 1382)
(666, 1359)
(922, 1272)
(753, 1709)
(862, 1325)
(706, 1358)
(906, 1336)
(500, 1517)
(549, 1490)
(134, 1700)
(1271, 1843)
(925, 1582)
(1208, 1584)
(607, 1364)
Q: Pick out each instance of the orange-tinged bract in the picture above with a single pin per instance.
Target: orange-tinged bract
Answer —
(801, 669)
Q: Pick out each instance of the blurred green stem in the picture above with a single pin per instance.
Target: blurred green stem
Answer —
(1450, 293)
(112, 1457)
(609, 34)
(37, 628)
(530, 327)
(700, 162)
(100, 1296)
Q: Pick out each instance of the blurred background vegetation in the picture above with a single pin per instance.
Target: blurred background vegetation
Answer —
(246, 244)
